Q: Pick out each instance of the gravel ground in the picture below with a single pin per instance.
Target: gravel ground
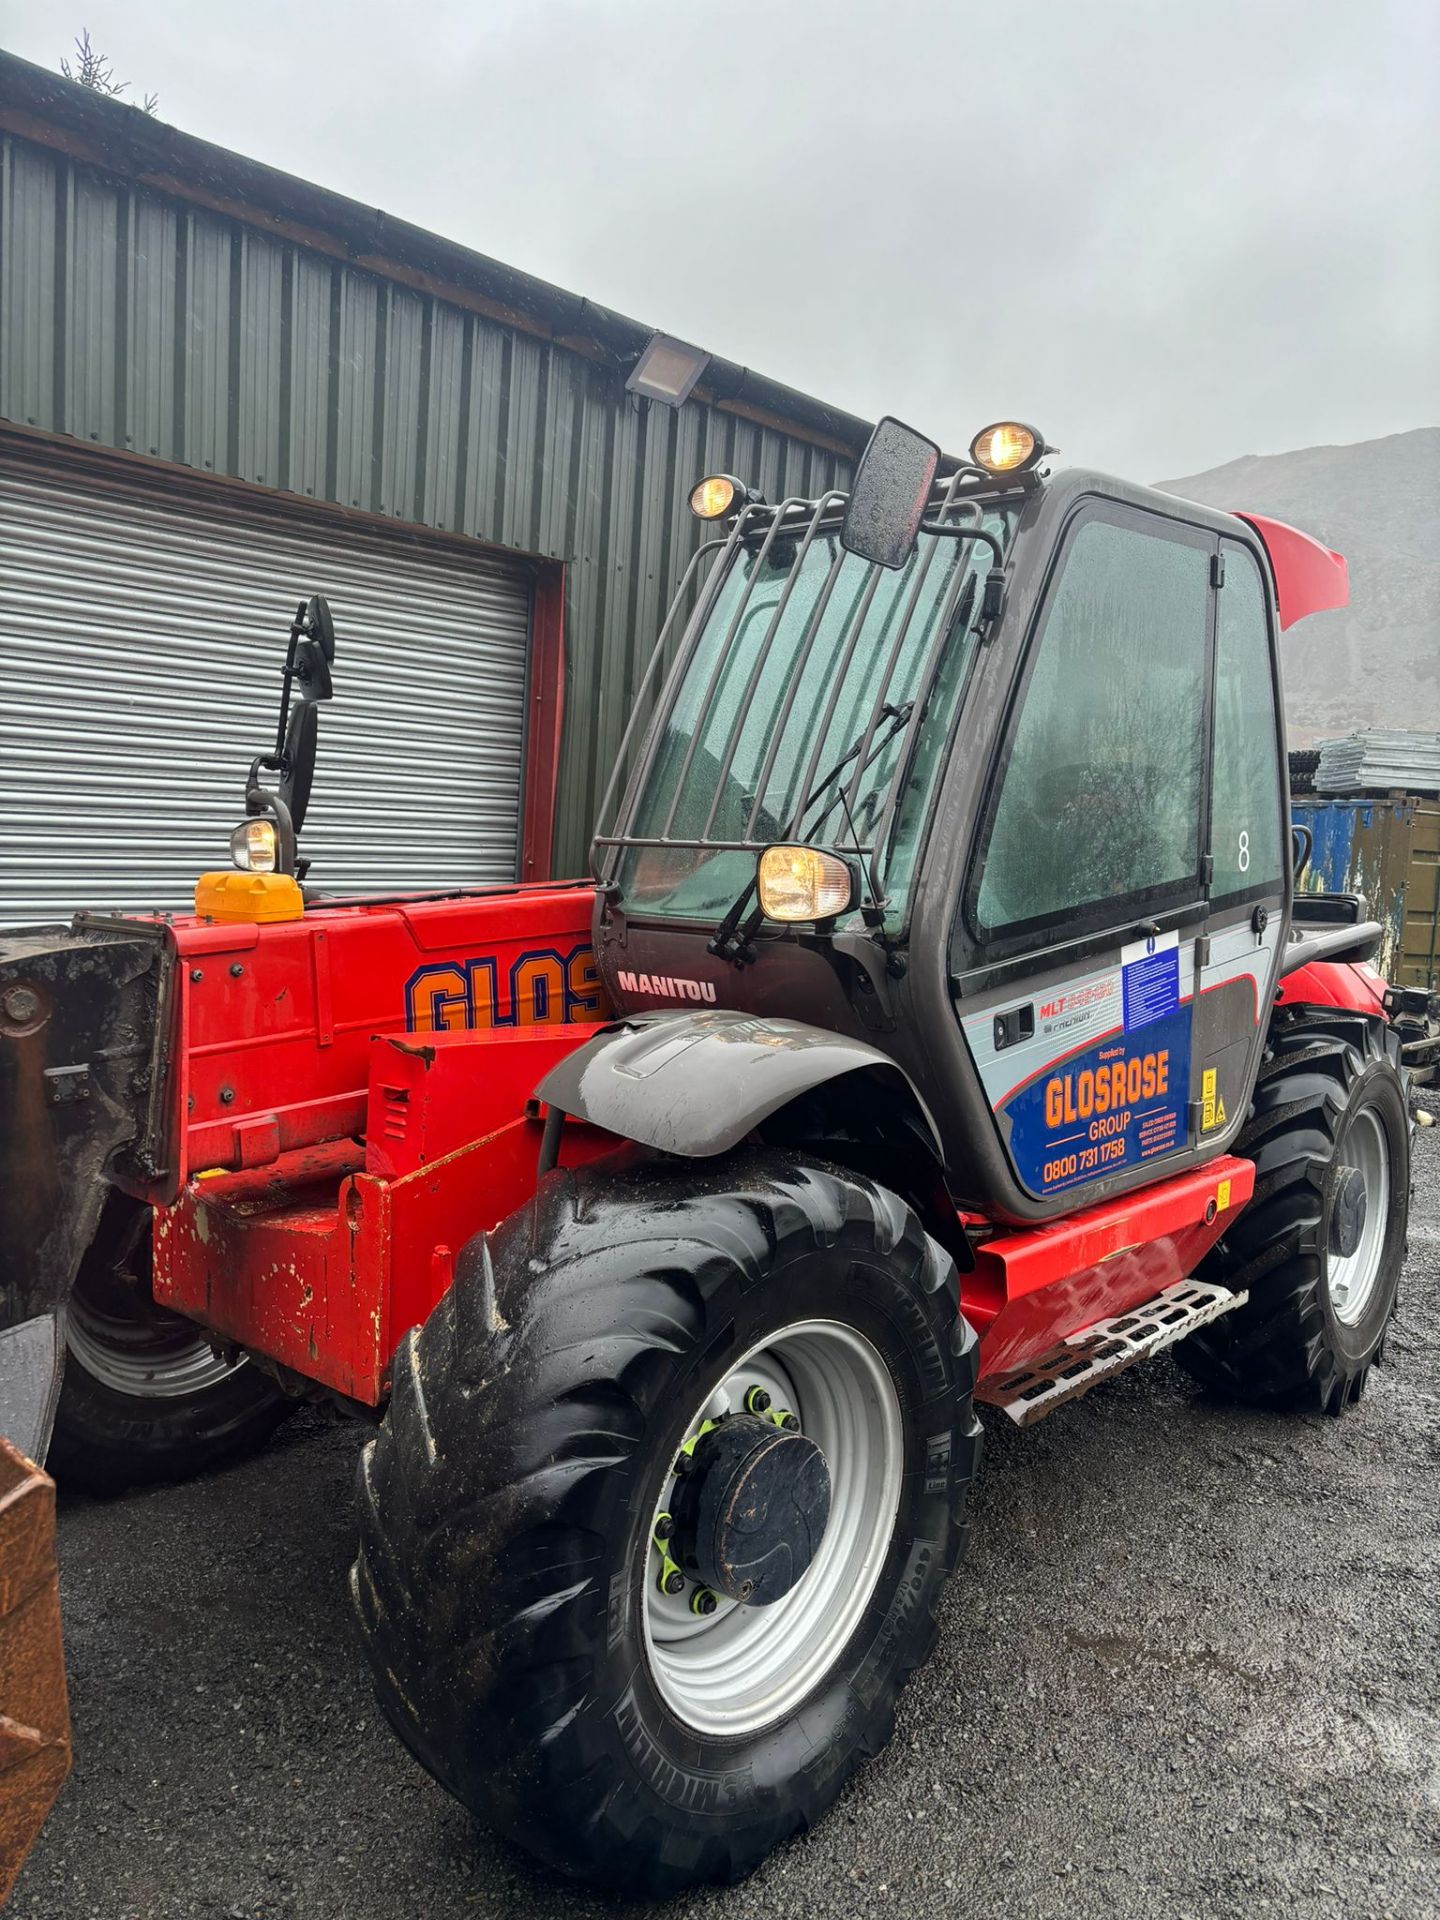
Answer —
(1190, 1669)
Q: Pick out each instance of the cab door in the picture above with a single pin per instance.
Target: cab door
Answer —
(1248, 869)
(1074, 960)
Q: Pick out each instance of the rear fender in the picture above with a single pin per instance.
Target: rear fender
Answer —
(695, 1084)
(1351, 985)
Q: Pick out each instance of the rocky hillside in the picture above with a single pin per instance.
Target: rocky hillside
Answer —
(1377, 661)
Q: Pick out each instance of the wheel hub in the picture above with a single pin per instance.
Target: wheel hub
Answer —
(752, 1511)
(1347, 1211)
(1359, 1216)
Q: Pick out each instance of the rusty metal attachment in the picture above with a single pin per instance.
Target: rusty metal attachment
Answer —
(34, 1712)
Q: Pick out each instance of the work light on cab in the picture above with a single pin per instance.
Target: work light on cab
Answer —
(716, 495)
(802, 883)
(255, 846)
(1008, 446)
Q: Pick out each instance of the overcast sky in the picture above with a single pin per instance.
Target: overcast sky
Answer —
(1169, 232)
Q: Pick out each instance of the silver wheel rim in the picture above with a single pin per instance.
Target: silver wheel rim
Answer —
(150, 1354)
(1351, 1277)
(743, 1667)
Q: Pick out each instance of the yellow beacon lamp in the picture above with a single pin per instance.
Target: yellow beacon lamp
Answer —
(1008, 446)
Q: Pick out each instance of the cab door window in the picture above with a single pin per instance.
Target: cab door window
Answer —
(1247, 817)
(1101, 799)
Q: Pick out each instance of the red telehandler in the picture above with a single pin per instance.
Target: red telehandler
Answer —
(941, 1027)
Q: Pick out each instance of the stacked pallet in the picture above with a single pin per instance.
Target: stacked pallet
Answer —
(1380, 761)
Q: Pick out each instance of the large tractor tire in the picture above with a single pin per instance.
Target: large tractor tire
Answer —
(660, 1515)
(144, 1395)
(1320, 1246)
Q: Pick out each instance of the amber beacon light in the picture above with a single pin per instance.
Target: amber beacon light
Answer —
(715, 496)
(1009, 446)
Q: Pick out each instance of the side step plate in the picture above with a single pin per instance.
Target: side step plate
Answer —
(1083, 1360)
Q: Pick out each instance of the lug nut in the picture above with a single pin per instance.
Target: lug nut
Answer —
(671, 1581)
(789, 1422)
(757, 1400)
(664, 1526)
(703, 1601)
(684, 1466)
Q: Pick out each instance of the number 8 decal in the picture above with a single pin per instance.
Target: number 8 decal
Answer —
(1243, 860)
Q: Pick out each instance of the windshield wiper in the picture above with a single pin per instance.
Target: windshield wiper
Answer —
(730, 940)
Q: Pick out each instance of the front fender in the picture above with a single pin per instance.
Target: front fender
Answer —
(695, 1084)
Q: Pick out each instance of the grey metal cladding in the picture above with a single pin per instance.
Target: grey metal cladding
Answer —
(135, 321)
(140, 635)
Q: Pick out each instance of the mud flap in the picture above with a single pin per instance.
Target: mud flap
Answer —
(83, 1026)
(34, 1713)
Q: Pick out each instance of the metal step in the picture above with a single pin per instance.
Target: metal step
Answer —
(1109, 1346)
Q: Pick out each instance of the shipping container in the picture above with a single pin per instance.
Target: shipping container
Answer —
(1389, 851)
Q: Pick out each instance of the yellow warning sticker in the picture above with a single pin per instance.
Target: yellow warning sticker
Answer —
(1222, 1196)
(1212, 1106)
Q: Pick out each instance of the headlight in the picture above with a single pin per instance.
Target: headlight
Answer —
(254, 846)
(802, 883)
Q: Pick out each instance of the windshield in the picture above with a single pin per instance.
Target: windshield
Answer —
(782, 689)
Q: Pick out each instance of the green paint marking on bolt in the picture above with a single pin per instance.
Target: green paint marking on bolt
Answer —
(688, 1448)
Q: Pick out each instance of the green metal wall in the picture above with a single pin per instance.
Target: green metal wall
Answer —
(135, 321)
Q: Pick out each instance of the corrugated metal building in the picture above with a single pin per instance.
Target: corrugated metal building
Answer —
(221, 389)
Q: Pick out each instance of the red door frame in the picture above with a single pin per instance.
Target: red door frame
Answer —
(544, 721)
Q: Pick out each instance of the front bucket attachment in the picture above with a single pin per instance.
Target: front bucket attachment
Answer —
(34, 1713)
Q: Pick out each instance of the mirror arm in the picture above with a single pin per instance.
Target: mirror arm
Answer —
(260, 801)
(965, 533)
(994, 596)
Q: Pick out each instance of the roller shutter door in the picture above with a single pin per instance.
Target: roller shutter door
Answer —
(141, 635)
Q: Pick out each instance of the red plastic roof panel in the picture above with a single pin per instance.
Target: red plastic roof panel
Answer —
(1308, 577)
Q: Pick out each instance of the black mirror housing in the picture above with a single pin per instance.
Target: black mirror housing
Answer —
(311, 680)
(320, 625)
(301, 738)
(890, 493)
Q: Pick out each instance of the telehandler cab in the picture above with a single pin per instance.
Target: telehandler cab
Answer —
(941, 1027)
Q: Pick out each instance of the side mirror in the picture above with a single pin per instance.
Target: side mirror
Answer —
(311, 673)
(321, 626)
(890, 494)
(301, 739)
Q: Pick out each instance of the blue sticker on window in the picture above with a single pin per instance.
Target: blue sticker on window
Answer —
(1152, 985)
(1113, 1105)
